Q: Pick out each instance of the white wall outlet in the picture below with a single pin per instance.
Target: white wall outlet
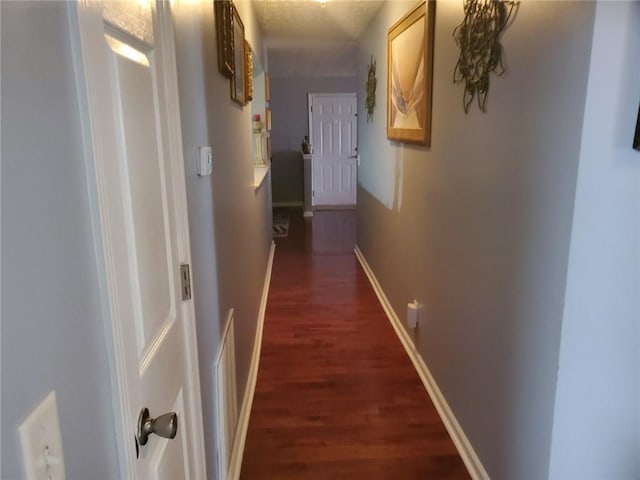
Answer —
(205, 161)
(413, 314)
(42, 443)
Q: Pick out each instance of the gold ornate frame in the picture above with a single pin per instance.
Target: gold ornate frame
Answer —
(267, 114)
(224, 34)
(410, 75)
(239, 77)
(249, 68)
(636, 138)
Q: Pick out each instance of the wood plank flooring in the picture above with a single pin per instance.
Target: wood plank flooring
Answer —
(336, 396)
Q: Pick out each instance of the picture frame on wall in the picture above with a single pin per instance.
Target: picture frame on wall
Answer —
(248, 51)
(224, 36)
(636, 138)
(410, 75)
(269, 148)
(267, 114)
(238, 79)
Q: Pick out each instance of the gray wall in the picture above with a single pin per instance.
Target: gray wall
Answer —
(52, 330)
(478, 226)
(290, 123)
(596, 424)
(230, 223)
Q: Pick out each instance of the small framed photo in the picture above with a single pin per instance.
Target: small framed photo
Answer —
(248, 51)
(224, 34)
(636, 138)
(267, 115)
(409, 75)
(239, 79)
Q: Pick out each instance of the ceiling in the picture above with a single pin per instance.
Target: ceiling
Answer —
(305, 38)
(339, 20)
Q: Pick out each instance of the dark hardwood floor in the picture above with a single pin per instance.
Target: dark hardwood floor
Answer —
(337, 397)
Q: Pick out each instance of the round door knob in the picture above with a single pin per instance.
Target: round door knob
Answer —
(165, 426)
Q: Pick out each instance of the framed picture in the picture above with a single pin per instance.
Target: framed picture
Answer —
(269, 148)
(238, 79)
(636, 138)
(249, 65)
(267, 119)
(409, 76)
(224, 34)
(266, 87)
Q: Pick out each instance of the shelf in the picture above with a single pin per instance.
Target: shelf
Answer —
(259, 174)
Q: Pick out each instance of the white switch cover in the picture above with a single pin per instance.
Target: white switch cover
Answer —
(41, 442)
(413, 313)
(205, 161)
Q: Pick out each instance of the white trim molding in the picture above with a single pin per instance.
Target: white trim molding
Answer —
(460, 440)
(287, 204)
(235, 463)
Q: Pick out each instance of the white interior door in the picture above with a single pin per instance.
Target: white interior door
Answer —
(334, 137)
(127, 60)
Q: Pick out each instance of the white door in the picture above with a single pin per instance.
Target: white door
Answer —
(126, 57)
(334, 138)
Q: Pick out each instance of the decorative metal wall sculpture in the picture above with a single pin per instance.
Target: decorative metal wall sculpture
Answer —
(371, 90)
(478, 37)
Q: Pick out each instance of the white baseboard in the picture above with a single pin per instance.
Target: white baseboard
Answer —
(235, 463)
(468, 455)
(308, 213)
(287, 204)
(335, 207)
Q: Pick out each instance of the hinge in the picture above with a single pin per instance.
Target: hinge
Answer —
(185, 281)
(313, 193)
(311, 108)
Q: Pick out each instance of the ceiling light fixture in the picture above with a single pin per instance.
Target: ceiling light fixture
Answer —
(323, 3)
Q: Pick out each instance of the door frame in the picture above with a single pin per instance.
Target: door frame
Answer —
(105, 255)
(310, 98)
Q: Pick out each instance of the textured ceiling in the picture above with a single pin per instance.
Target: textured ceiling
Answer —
(324, 59)
(338, 20)
(305, 38)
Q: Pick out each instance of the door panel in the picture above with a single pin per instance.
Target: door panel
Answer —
(334, 140)
(148, 222)
(141, 195)
(346, 177)
(150, 236)
(169, 457)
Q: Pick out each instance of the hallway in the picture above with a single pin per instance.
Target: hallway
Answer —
(337, 396)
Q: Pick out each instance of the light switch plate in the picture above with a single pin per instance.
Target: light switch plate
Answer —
(42, 443)
(413, 314)
(205, 161)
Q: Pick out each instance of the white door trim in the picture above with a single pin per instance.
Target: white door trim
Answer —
(310, 98)
(96, 148)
